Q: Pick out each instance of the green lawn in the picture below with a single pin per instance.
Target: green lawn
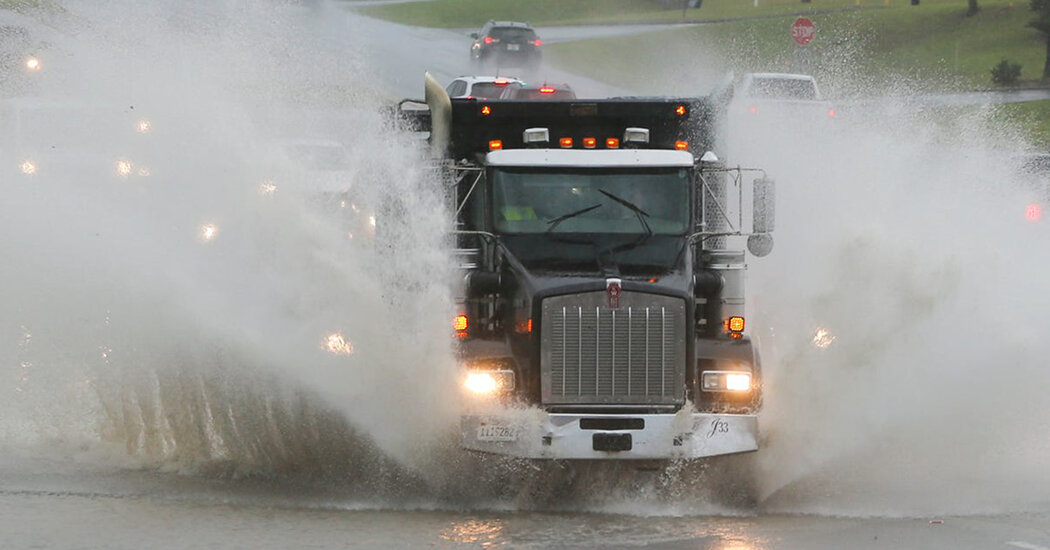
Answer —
(861, 45)
(932, 45)
(933, 42)
(28, 5)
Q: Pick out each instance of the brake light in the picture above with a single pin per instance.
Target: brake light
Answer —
(546, 90)
(831, 113)
(495, 145)
(1033, 212)
(589, 142)
(681, 145)
(612, 143)
(486, 110)
(680, 110)
(753, 110)
(565, 142)
(538, 42)
(500, 82)
(488, 39)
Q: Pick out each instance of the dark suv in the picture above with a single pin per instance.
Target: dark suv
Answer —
(506, 44)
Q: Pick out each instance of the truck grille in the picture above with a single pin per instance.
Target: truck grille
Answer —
(631, 355)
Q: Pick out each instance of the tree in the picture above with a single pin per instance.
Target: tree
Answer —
(1041, 23)
(973, 9)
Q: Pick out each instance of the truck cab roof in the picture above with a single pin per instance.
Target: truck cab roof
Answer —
(583, 158)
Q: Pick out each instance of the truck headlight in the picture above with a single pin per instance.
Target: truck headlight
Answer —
(734, 381)
(486, 382)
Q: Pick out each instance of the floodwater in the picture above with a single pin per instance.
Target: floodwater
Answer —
(195, 354)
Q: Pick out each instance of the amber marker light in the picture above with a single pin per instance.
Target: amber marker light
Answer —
(680, 110)
(612, 143)
(565, 142)
(736, 324)
(459, 323)
(495, 145)
(589, 142)
(681, 145)
(486, 110)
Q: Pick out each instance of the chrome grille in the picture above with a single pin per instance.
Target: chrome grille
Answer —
(631, 355)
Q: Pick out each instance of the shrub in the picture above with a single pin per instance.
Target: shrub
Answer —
(1006, 73)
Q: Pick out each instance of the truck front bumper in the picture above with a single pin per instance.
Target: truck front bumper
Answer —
(538, 434)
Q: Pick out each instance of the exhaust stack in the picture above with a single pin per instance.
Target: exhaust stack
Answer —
(440, 115)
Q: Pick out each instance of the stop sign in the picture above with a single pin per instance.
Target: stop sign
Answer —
(802, 31)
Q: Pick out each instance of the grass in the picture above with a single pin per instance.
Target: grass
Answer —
(28, 5)
(931, 43)
(1032, 116)
(861, 45)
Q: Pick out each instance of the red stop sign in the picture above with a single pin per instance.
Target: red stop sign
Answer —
(802, 31)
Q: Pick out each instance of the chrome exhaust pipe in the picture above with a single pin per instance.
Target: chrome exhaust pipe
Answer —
(440, 115)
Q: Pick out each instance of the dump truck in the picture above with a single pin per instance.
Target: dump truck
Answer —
(602, 248)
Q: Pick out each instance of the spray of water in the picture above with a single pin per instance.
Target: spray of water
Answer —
(174, 284)
(905, 323)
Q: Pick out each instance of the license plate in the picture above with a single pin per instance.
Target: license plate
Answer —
(496, 432)
(512, 47)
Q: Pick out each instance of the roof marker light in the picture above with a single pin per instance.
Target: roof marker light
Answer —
(565, 142)
(495, 144)
(612, 143)
(536, 135)
(589, 143)
(681, 145)
(636, 135)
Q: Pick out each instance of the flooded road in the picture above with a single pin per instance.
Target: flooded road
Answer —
(61, 504)
(64, 505)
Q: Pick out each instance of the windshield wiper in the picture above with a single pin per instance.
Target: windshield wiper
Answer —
(556, 221)
(641, 214)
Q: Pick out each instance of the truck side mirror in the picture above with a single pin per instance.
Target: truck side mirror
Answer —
(763, 198)
(760, 244)
(763, 217)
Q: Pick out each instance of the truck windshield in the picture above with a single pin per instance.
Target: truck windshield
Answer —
(594, 201)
